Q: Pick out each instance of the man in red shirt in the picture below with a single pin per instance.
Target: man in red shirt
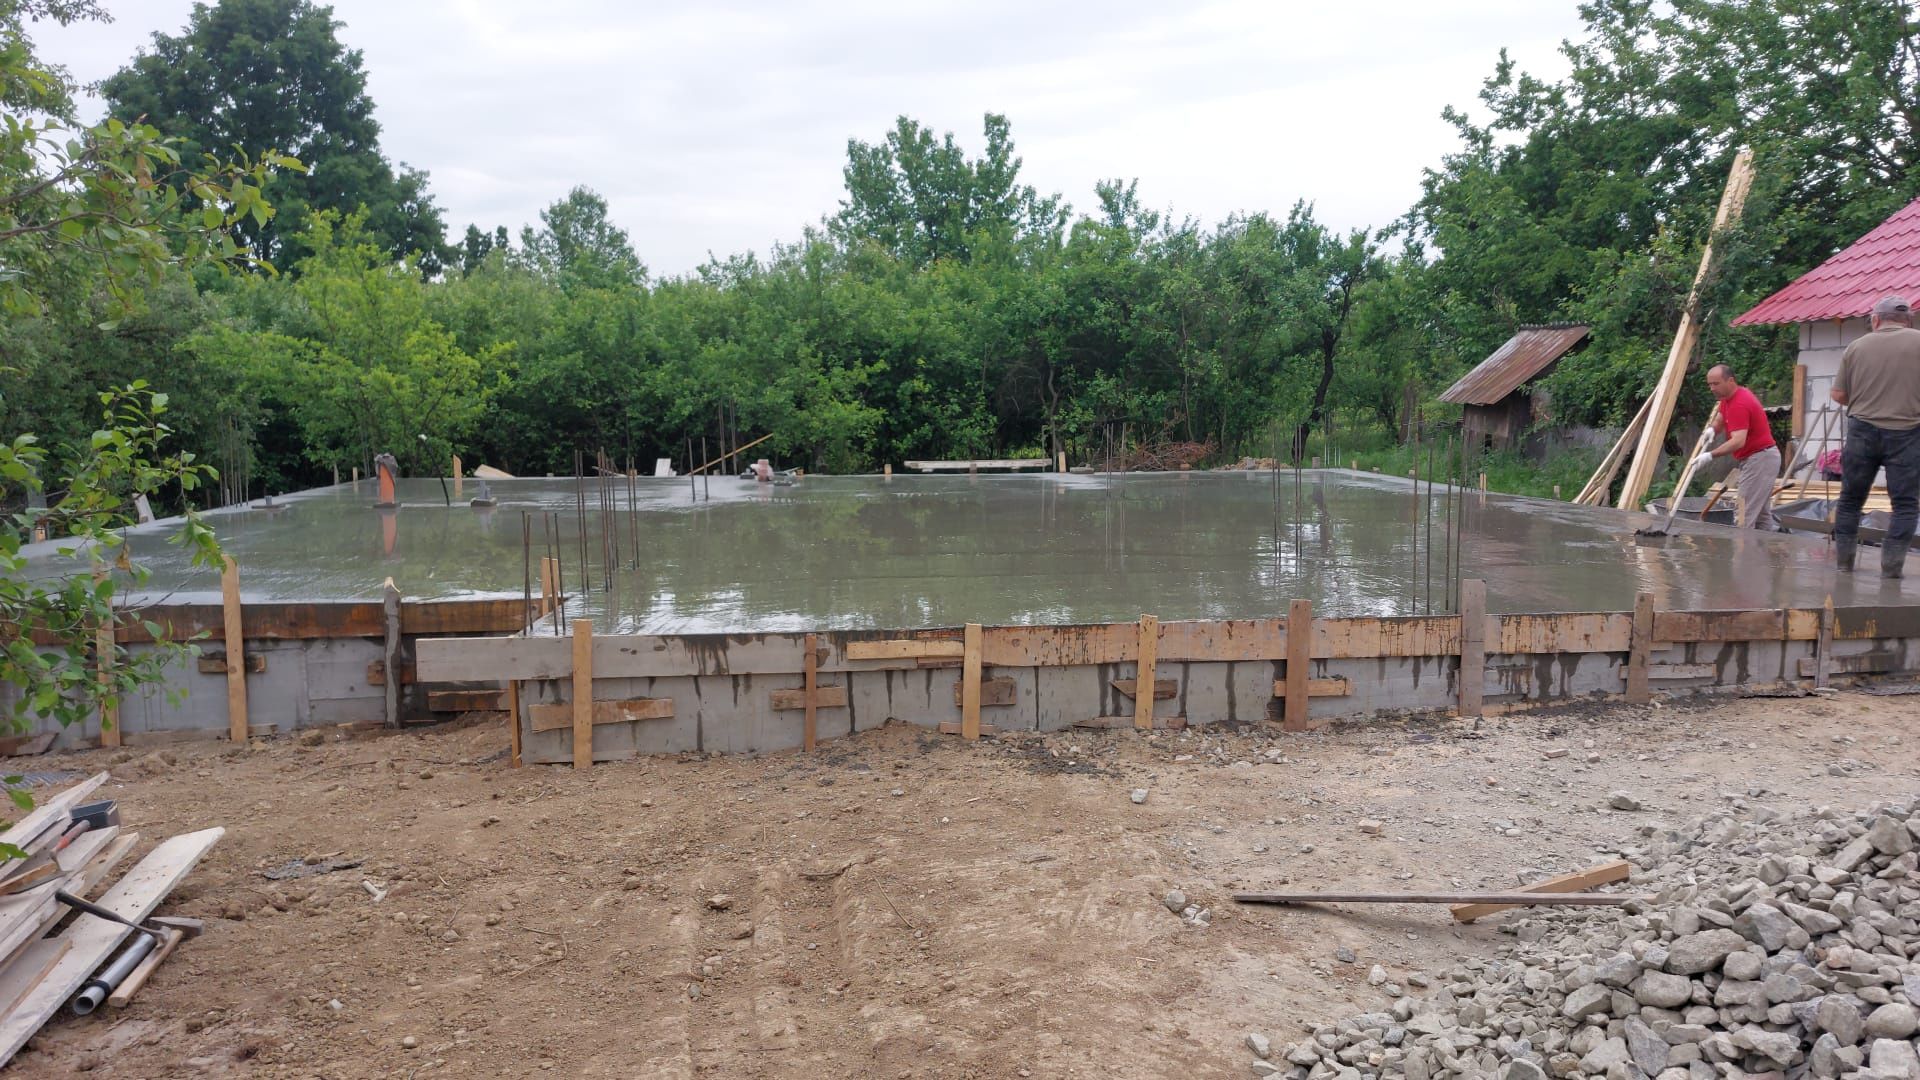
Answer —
(1748, 438)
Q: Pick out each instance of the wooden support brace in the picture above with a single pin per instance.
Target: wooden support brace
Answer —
(582, 694)
(561, 717)
(513, 724)
(993, 692)
(216, 664)
(1163, 689)
(1639, 648)
(1823, 645)
(390, 606)
(1580, 881)
(823, 697)
(1473, 645)
(905, 649)
(1149, 652)
(1299, 659)
(1337, 686)
(810, 674)
(236, 645)
(970, 683)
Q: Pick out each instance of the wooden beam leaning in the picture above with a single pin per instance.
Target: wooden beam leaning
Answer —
(1638, 691)
(970, 683)
(1578, 881)
(1144, 671)
(1299, 660)
(1595, 493)
(810, 672)
(1473, 645)
(103, 657)
(1666, 391)
(582, 693)
(236, 650)
(1502, 899)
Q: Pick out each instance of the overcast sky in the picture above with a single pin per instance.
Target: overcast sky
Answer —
(722, 127)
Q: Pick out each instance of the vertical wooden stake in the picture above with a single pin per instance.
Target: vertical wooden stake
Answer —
(1799, 414)
(970, 684)
(1473, 645)
(1640, 648)
(810, 668)
(1143, 672)
(582, 693)
(1823, 645)
(886, 471)
(1060, 461)
(390, 610)
(1299, 659)
(356, 476)
(236, 643)
(548, 586)
(1483, 483)
(513, 723)
(103, 664)
(456, 476)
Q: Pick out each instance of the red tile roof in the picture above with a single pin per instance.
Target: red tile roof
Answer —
(1525, 355)
(1884, 262)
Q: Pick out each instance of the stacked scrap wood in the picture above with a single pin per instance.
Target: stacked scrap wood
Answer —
(1166, 456)
(46, 958)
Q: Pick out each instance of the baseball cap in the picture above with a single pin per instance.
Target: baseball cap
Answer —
(1892, 305)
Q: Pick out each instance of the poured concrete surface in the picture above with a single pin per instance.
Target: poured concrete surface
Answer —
(865, 553)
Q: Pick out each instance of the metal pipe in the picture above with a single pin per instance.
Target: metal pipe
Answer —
(95, 990)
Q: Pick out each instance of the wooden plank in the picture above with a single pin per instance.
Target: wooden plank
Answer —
(824, 697)
(1503, 899)
(810, 672)
(1671, 672)
(1858, 664)
(1579, 881)
(1473, 646)
(1334, 686)
(1299, 659)
(625, 711)
(476, 615)
(25, 916)
(90, 940)
(466, 700)
(1576, 632)
(1148, 651)
(1595, 491)
(137, 978)
(513, 724)
(1823, 645)
(216, 663)
(54, 808)
(969, 466)
(1797, 424)
(970, 683)
(390, 621)
(1803, 624)
(1685, 626)
(582, 694)
(904, 649)
(1160, 723)
(993, 692)
(1638, 691)
(1163, 689)
(235, 639)
(103, 658)
(33, 975)
(86, 863)
(1666, 391)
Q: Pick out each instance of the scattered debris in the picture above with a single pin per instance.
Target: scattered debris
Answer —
(301, 868)
(1138, 795)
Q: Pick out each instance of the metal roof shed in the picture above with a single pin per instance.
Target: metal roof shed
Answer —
(1497, 406)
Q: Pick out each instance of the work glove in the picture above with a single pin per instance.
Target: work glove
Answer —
(1701, 462)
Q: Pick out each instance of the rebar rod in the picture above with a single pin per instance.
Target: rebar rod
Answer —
(526, 572)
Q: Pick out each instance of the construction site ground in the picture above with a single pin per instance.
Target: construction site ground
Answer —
(899, 904)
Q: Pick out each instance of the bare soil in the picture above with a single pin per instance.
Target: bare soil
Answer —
(900, 904)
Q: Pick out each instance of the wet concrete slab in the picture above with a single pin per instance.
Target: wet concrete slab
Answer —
(868, 553)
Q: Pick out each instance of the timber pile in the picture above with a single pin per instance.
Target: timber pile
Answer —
(48, 952)
(1171, 456)
(1773, 948)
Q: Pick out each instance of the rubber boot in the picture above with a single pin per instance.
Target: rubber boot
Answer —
(1843, 551)
(1893, 558)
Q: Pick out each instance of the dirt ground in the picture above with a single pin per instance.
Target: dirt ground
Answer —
(896, 905)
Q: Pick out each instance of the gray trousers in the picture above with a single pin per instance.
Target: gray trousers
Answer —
(1754, 478)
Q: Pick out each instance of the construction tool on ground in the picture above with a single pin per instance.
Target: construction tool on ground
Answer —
(1654, 532)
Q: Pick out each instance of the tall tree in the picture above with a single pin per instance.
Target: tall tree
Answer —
(921, 199)
(579, 247)
(273, 73)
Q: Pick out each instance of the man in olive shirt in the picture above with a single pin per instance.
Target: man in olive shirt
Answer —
(1879, 383)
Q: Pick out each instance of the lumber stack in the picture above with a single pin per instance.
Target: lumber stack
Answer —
(48, 951)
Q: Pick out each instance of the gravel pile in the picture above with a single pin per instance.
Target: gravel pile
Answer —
(1774, 948)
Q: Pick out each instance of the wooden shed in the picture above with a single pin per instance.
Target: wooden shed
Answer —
(1497, 398)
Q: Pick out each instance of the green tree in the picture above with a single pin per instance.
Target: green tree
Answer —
(273, 73)
(579, 247)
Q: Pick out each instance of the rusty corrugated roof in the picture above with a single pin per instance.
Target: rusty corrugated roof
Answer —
(1525, 355)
